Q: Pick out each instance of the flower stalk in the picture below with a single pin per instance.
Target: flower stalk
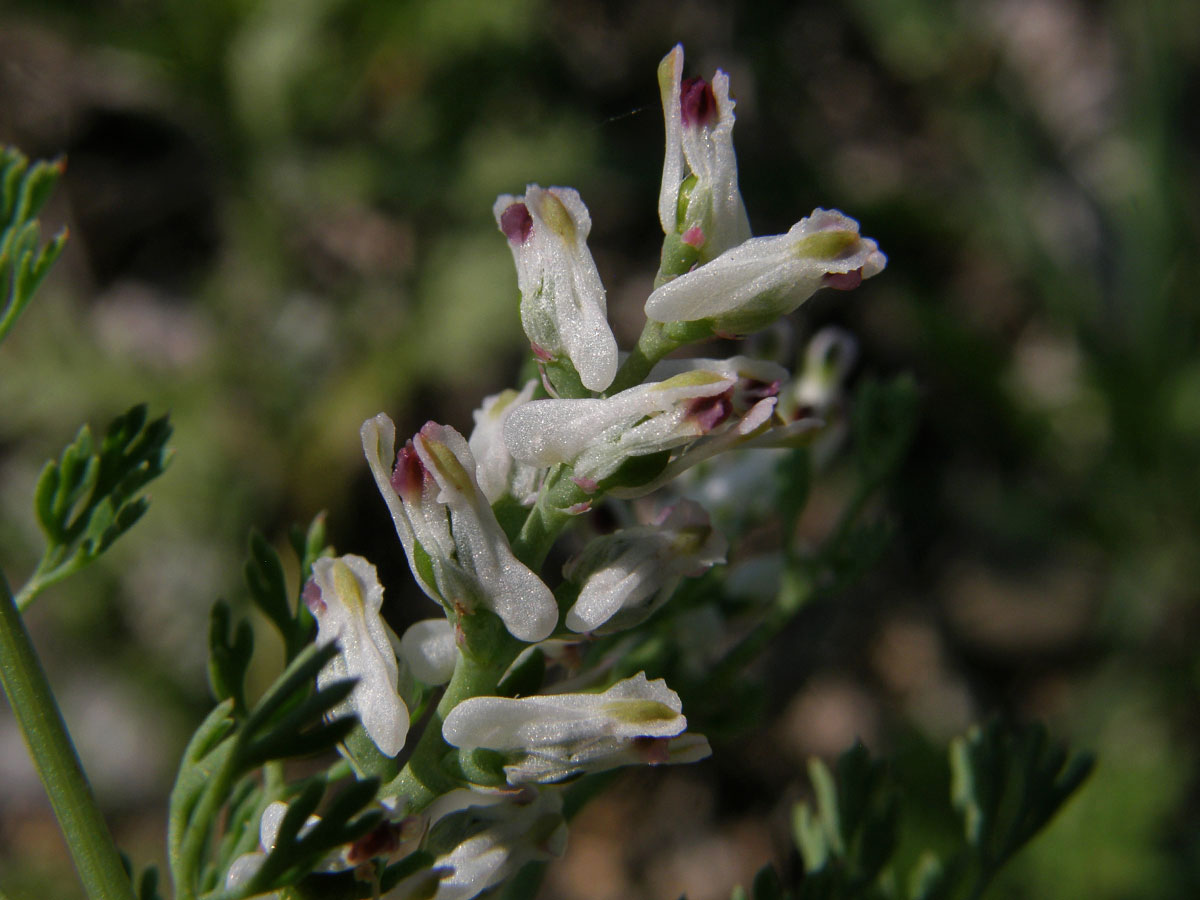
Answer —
(58, 766)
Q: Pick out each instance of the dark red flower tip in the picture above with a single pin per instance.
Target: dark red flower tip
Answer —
(408, 475)
(516, 223)
(709, 412)
(697, 103)
(842, 281)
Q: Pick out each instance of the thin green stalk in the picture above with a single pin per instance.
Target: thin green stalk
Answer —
(655, 342)
(57, 763)
(652, 345)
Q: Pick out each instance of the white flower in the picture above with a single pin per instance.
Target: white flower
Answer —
(552, 737)
(710, 216)
(563, 308)
(345, 597)
(596, 436)
(497, 472)
(749, 286)
(629, 574)
(484, 839)
(700, 399)
(429, 651)
(455, 547)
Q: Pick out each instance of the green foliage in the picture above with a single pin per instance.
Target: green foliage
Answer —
(229, 657)
(1008, 783)
(849, 839)
(268, 584)
(885, 416)
(24, 260)
(91, 494)
(217, 782)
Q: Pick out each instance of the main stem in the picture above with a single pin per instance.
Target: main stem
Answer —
(57, 763)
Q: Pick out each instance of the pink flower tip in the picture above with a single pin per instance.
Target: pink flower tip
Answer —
(587, 485)
(843, 281)
(516, 223)
(709, 412)
(311, 595)
(694, 237)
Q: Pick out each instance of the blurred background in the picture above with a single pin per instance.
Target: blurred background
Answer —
(280, 216)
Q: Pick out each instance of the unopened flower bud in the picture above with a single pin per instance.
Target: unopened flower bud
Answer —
(699, 199)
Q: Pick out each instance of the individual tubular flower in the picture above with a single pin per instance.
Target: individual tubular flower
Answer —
(596, 436)
(548, 738)
(699, 199)
(345, 597)
(497, 472)
(483, 839)
(563, 309)
(455, 546)
(748, 287)
(629, 574)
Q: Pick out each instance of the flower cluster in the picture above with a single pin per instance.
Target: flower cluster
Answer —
(476, 516)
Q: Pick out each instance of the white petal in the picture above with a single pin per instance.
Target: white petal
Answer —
(629, 709)
(494, 464)
(429, 651)
(670, 79)
(352, 596)
(511, 589)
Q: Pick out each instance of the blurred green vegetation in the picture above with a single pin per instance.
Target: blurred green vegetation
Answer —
(280, 219)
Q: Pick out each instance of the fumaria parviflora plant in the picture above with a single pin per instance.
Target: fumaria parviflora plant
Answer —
(458, 751)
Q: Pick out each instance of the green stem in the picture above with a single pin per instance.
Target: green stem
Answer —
(656, 341)
(548, 517)
(652, 346)
(57, 763)
(423, 779)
